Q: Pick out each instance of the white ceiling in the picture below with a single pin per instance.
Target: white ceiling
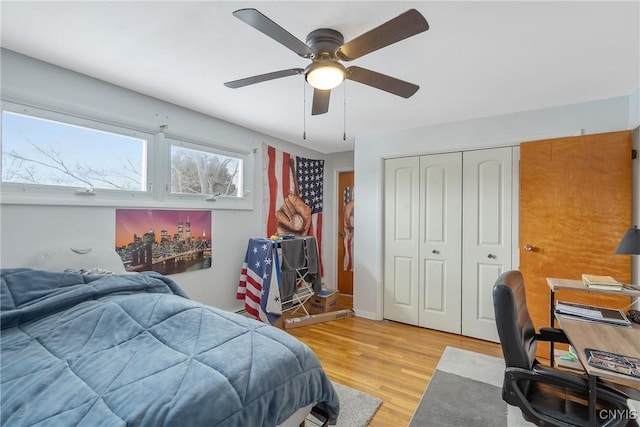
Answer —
(477, 59)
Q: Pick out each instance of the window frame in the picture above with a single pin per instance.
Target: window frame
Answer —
(158, 169)
(171, 139)
(72, 120)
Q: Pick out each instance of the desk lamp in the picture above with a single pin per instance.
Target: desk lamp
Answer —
(630, 243)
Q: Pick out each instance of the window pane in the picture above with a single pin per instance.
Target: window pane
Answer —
(39, 151)
(204, 172)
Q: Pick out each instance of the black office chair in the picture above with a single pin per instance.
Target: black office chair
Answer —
(545, 395)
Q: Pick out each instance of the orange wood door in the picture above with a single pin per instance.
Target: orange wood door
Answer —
(345, 234)
(575, 205)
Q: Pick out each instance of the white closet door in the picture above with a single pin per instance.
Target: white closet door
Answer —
(486, 230)
(401, 239)
(440, 242)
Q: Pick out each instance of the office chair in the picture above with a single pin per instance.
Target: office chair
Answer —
(545, 395)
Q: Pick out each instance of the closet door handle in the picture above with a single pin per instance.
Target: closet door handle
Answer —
(435, 251)
(492, 256)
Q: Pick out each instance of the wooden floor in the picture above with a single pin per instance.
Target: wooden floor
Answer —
(390, 360)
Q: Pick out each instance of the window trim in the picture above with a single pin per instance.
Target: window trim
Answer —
(94, 125)
(178, 141)
(158, 172)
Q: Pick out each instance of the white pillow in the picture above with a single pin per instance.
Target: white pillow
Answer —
(86, 258)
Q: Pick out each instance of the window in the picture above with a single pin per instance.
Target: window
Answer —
(198, 169)
(71, 152)
(57, 158)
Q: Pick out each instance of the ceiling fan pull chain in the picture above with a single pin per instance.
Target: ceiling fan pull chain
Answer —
(344, 111)
(304, 110)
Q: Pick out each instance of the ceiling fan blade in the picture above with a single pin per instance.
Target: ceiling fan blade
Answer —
(320, 101)
(382, 81)
(263, 78)
(399, 28)
(265, 25)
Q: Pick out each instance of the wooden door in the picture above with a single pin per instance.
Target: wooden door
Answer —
(401, 239)
(575, 205)
(440, 251)
(486, 235)
(346, 205)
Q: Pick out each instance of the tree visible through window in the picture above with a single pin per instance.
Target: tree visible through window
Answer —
(204, 172)
(48, 152)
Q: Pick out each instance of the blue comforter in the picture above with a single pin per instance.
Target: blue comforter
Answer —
(134, 350)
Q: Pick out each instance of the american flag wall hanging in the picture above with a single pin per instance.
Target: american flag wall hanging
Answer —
(293, 195)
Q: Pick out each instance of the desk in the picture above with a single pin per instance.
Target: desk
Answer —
(576, 285)
(614, 339)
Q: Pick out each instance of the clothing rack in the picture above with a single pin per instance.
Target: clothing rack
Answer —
(297, 300)
(304, 279)
(288, 266)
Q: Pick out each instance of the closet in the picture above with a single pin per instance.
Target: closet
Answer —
(448, 235)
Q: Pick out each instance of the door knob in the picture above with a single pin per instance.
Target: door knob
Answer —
(491, 256)
(435, 251)
(528, 247)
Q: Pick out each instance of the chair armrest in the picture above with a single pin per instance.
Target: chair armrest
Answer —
(552, 334)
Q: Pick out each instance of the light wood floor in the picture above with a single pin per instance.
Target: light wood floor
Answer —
(390, 360)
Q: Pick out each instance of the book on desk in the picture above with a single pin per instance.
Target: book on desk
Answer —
(614, 362)
(592, 313)
(606, 283)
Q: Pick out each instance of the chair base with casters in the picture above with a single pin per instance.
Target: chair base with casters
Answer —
(545, 395)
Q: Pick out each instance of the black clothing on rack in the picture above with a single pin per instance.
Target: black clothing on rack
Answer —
(299, 262)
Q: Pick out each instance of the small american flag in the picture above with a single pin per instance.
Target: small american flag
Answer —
(347, 196)
(258, 285)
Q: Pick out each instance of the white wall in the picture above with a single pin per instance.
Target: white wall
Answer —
(634, 109)
(635, 266)
(634, 123)
(590, 117)
(26, 229)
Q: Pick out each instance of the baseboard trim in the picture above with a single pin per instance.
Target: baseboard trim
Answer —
(365, 314)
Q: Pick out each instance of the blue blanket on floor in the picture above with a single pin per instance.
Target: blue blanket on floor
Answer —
(133, 350)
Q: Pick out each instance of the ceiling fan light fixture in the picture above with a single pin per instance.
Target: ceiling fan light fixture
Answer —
(326, 48)
(325, 75)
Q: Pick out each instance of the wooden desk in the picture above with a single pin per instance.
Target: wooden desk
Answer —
(601, 336)
(576, 285)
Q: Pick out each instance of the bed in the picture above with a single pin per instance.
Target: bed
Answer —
(132, 349)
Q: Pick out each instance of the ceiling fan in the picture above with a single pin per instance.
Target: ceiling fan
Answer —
(326, 48)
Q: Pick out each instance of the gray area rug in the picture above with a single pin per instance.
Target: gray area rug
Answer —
(356, 407)
(466, 391)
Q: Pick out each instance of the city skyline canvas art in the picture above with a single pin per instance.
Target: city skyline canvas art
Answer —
(165, 241)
